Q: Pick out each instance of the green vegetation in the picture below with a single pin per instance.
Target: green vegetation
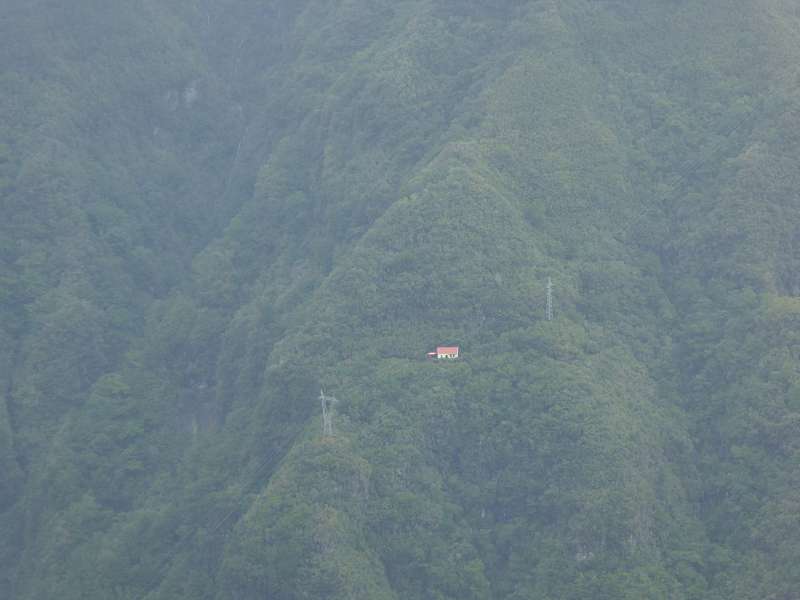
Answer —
(211, 210)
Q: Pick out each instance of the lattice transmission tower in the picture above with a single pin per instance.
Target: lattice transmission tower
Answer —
(327, 413)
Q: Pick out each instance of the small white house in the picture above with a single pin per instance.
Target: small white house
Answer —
(445, 352)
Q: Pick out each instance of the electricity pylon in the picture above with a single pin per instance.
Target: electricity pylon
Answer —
(549, 314)
(327, 413)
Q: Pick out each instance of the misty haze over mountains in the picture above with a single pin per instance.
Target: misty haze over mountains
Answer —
(211, 211)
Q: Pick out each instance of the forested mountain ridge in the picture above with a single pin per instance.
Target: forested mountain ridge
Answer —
(211, 210)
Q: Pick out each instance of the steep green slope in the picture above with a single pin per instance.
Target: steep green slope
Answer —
(331, 190)
(536, 450)
(110, 138)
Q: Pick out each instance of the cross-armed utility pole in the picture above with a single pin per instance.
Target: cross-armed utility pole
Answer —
(549, 315)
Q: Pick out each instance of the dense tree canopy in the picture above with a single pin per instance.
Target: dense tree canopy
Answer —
(209, 210)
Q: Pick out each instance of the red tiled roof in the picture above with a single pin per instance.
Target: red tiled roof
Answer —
(447, 350)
